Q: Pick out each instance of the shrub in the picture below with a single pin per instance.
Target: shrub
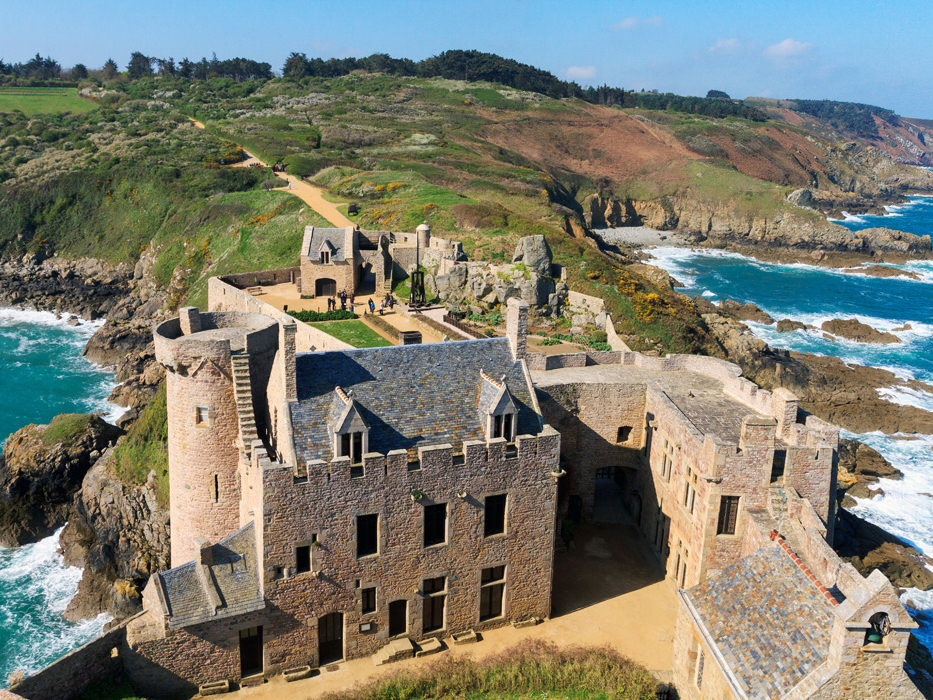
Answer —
(305, 166)
(316, 316)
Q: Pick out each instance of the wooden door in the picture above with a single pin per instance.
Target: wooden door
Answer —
(250, 651)
(330, 638)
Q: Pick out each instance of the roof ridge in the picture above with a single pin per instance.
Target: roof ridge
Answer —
(782, 543)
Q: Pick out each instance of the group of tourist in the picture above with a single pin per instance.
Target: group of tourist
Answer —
(388, 302)
(347, 300)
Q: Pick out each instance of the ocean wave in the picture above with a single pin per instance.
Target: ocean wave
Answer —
(907, 396)
(11, 316)
(43, 588)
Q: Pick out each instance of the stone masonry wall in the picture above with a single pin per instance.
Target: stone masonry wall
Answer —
(344, 273)
(223, 296)
(325, 504)
(588, 417)
(74, 673)
(198, 452)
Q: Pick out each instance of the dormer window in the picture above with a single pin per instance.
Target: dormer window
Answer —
(351, 445)
(325, 257)
(497, 408)
(351, 434)
(502, 426)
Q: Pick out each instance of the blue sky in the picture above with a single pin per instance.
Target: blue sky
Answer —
(857, 50)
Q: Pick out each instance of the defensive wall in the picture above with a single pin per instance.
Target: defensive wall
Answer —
(225, 294)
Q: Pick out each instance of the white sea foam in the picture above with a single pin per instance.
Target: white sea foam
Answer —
(709, 295)
(907, 396)
(38, 574)
(12, 316)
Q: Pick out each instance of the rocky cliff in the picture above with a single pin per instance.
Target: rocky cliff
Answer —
(41, 469)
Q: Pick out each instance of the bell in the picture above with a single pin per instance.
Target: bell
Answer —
(874, 637)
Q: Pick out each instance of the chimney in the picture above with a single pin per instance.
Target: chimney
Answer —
(516, 326)
(287, 330)
(190, 320)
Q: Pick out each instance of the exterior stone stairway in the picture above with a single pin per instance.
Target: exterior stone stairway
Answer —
(243, 394)
(777, 500)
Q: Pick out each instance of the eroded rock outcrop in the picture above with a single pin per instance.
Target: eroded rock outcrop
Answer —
(41, 469)
(860, 468)
(119, 534)
(853, 329)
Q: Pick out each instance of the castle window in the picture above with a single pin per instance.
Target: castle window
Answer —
(623, 433)
(690, 490)
(202, 416)
(368, 597)
(492, 588)
(435, 599)
(325, 257)
(728, 514)
(435, 524)
(351, 445)
(367, 535)
(667, 459)
(494, 515)
(701, 662)
(503, 426)
(215, 488)
(302, 559)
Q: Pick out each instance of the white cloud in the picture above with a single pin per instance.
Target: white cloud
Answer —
(788, 48)
(632, 22)
(726, 46)
(581, 72)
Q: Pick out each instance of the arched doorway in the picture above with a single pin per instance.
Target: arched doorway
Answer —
(325, 287)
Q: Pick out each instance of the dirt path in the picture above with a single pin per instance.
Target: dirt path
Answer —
(307, 193)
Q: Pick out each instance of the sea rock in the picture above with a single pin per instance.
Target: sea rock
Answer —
(786, 325)
(535, 253)
(868, 547)
(853, 329)
(41, 469)
(655, 275)
(744, 312)
(884, 271)
(119, 533)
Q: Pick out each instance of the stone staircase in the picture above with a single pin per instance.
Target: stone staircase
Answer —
(243, 394)
(777, 499)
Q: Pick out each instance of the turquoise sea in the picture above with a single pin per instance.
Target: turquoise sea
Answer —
(812, 295)
(42, 374)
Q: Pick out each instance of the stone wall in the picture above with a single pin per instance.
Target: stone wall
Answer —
(224, 296)
(344, 273)
(539, 361)
(68, 677)
(264, 277)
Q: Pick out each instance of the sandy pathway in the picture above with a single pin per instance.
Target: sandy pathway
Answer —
(307, 193)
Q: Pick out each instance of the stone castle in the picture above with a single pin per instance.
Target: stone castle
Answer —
(333, 504)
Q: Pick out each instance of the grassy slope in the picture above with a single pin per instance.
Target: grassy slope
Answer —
(32, 101)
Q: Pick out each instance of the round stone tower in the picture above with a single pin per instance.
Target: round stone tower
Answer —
(210, 417)
(424, 236)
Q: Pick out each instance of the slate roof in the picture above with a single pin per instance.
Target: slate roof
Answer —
(234, 576)
(769, 622)
(408, 395)
(315, 237)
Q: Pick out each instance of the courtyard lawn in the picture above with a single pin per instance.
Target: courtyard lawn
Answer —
(32, 101)
(356, 333)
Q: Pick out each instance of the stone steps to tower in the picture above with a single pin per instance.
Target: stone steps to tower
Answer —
(243, 396)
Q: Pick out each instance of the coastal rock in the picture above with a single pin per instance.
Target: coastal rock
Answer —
(534, 253)
(868, 547)
(655, 275)
(883, 271)
(41, 469)
(786, 325)
(853, 329)
(119, 534)
(744, 312)
(860, 468)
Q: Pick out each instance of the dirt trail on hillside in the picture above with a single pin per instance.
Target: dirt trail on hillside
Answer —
(307, 193)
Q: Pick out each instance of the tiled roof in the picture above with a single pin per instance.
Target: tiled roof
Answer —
(769, 622)
(233, 575)
(408, 395)
(315, 237)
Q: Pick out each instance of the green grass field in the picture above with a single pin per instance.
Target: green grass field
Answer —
(32, 101)
(356, 333)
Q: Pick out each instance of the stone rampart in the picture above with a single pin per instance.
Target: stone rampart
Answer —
(224, 296)
(281, 275)
(99, 660)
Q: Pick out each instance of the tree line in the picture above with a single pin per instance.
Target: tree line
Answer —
(470, 66)
(849, 117)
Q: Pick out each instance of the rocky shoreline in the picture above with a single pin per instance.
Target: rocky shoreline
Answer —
(116, 532)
